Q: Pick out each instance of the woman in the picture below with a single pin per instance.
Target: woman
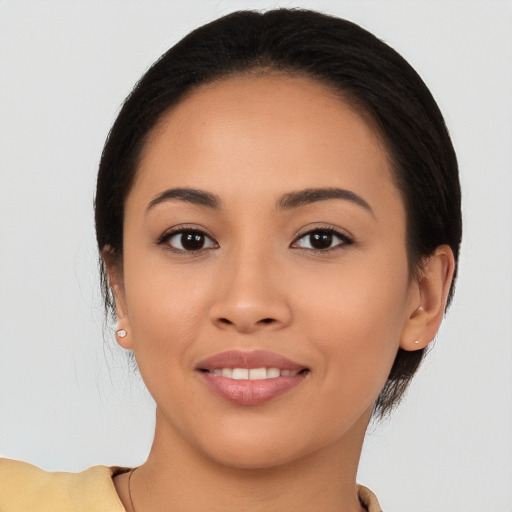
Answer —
(278, 216)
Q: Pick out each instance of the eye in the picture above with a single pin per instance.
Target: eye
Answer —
(322, 239)
(188, 240)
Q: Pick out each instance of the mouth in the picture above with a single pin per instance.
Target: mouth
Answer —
(251, 378)
(253, 373)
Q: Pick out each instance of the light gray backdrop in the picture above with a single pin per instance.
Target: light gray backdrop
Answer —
(67, 400)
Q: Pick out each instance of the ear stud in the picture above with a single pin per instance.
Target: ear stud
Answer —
(416, 342)
(122, 333)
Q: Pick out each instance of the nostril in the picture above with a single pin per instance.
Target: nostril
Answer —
(243, 323)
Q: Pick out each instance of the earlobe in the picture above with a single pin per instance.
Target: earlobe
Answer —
(116, 283)
(124, 339)
(433, 285)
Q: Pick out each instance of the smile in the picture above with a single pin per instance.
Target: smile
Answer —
(250, 378)
(253, 373)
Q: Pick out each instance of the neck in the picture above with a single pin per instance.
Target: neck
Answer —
(176, 476)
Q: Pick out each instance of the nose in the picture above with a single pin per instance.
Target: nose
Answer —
(250, 296)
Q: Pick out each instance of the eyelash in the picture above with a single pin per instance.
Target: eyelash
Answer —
(183, 230)
(345, 239)
(164, 239)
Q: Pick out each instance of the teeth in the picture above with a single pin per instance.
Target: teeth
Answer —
(227, 372)
(240, 373)
(253, 373)
(257, 373)
(272, 373)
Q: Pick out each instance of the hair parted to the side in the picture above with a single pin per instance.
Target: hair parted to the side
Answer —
(367, 73)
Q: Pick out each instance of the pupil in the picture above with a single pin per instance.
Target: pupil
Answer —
(192, 241)
(321, 240)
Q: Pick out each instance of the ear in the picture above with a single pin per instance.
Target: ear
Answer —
(116, 283)
(428, 300)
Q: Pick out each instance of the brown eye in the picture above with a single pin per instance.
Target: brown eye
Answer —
(322, 240)
(190, 240)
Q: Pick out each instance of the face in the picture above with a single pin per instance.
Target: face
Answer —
(264, 232)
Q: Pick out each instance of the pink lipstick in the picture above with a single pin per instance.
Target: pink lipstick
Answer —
(251, 378)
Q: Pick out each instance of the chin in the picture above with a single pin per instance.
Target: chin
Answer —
(254, 458)
(264, 446)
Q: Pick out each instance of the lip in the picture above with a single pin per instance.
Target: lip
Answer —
(250, 392)
(252, 359)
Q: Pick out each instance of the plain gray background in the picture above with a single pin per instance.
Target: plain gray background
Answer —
(68, 400)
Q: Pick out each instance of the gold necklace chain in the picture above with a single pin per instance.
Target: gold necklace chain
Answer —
(130, 488)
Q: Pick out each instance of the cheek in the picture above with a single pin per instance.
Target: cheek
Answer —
(165, 308)
(355, 315)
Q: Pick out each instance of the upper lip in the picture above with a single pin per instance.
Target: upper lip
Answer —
(252, 359)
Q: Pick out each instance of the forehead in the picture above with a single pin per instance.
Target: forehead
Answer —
(263, 134)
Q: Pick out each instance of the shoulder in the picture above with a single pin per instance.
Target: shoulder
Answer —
(368, 499)
(24, 487)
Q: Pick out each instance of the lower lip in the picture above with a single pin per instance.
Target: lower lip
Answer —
(251, 392)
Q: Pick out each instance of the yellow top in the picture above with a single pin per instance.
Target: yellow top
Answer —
(27, 488)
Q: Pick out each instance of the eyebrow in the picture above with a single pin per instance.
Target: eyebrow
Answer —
(286, 202)
(313, 195)
(189, 195)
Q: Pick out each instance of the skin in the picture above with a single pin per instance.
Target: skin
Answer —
(260, 284)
